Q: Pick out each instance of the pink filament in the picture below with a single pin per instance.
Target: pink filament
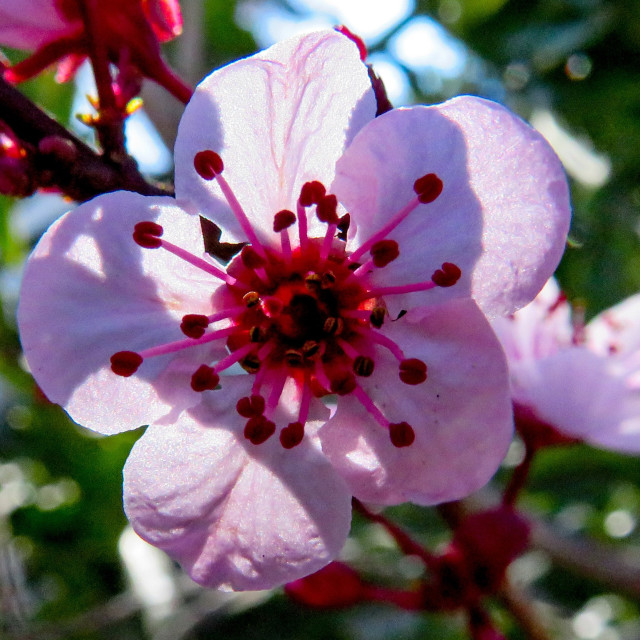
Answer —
(390, 226)
(172, 347)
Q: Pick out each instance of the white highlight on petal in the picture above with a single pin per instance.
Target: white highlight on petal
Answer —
(588, 167)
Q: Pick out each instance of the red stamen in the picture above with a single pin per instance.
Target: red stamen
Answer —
(250, 406)
(147, 234)
(311, 193)
(317, 388)
(363, 366)
(428, 188)
(292, 435)
(179, 345)
(343, 383)
(258, 429)
(194, 325)
(407, 288)
(205, 378)
(383, 252)
(327, 208)
(447, 276)
(125, 363)
(401, 434)
(328, 240)
(145, 238)
(413, 371)
(385, 231)
(208, 164)
(251, 258)
(240, 214)
(283, 220)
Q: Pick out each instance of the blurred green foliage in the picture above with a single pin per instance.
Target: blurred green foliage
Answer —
(60, 488)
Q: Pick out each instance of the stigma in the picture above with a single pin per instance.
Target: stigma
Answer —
(302, 309)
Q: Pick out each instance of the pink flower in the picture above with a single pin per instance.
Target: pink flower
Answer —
(580, 381)
(247, 479)
(131, 30)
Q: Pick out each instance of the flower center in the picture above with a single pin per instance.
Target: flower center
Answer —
(307, 313)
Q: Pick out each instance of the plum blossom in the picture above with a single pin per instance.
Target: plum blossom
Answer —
(55, 29)
(574, 381)
(343, 352)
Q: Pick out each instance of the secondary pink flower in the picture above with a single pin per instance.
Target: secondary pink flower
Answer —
(581, 381)
(247, 479)
(131, 30)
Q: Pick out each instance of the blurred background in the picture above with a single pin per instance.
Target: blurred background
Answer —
(70, 569)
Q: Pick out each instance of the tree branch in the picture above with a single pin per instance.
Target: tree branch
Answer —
(79, 172)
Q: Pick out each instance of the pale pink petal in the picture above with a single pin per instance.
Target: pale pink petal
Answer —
(28, 24)
(502, 216)
(538, 330)
(581, 395)
(278, 119)
(235, 515)
(616, 331)
(461, 414)
(90, 291)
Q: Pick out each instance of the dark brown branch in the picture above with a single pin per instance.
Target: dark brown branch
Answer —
(79, 172)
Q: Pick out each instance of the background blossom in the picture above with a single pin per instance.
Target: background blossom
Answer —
(580, 380)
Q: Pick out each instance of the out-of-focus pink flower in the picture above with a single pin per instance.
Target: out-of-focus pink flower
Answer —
(16, 167)
(574, 381)
(54, 29)
(247, 479)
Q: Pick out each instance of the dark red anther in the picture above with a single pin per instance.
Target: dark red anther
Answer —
(292, 435)
(283, 220)
(311, 193)
(204, 379)
(413, 371)
(359, 42)
(327, 209)
(208, 164)
(258, 429)
(447, 276)
(317, 389)
(250, 406)
(125, 363)
(147, 234)
(383, 252)
(343, 383)
(428, 188)
(193, 325)
(251, 258)
(363, 366)
(401, 434)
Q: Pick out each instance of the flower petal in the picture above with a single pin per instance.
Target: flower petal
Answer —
(538, 330)
(616, 331)
(90, 291)
(503, 214)
(278, 119)
(461, 414)
(582, 395)
(28, 24)
(235, 515)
